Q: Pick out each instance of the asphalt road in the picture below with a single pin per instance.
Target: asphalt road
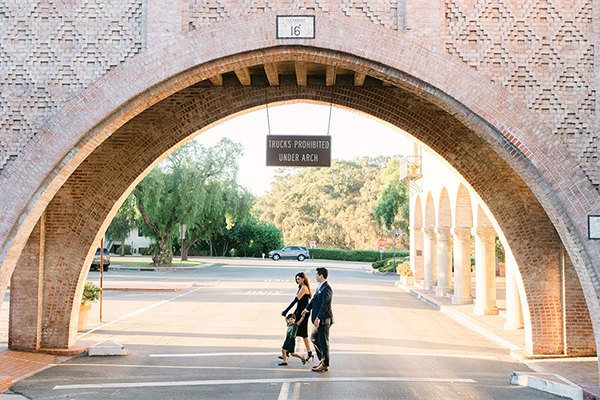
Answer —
(220, 339)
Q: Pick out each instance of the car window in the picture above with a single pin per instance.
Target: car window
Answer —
(98, 252)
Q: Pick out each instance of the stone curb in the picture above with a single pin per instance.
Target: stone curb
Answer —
(554, 384)
(549, 383)
(199, 266)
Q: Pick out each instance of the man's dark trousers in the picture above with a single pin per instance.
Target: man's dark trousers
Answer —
(320, 340)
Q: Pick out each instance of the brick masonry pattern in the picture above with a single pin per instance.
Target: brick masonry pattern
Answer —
(543, 53)
(51, 51)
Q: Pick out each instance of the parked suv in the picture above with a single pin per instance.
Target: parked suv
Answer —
(298, 252)
(96, 262)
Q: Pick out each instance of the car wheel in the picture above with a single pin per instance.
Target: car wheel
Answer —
(301, 257)
(105, 267)
(276, 257)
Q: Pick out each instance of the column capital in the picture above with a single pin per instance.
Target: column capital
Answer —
(484, 235)
(443, 233)
(462, 234)
(429, 232)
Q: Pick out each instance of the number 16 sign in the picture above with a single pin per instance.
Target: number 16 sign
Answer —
(295, 27)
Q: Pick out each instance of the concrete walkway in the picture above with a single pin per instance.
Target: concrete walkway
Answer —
(581, 371)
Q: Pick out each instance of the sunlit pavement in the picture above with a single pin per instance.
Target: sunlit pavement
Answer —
(220, 339)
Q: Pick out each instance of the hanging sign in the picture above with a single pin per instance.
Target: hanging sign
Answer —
(298, 151)
(295, 26)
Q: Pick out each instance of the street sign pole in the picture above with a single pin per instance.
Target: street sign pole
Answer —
(101, 273)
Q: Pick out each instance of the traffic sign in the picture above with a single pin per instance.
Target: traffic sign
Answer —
(313, 244)
(381, 242)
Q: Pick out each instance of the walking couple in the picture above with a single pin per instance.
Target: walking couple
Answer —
(321, 318)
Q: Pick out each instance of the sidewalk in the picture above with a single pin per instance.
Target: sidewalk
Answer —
(581, 371)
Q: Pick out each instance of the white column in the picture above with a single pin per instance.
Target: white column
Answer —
(514, 313)
(444, 262)
(430, 258)
(413, 249)
(462, 266)
(485, 272)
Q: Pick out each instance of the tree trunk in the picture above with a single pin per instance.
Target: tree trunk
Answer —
(123, 247)
(210, 246)
(185, 247)
(163, 255)
(225, 247)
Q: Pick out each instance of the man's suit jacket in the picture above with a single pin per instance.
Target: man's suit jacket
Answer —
(321, 305)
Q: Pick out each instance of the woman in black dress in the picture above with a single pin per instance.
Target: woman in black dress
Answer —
(302, 298)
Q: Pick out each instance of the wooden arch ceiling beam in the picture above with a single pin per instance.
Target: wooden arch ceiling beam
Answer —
(295, 73)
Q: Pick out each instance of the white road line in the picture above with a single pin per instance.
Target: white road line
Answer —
(473, 356)
(284, 392)
(268, 381)
(143, 310)
(296, 391)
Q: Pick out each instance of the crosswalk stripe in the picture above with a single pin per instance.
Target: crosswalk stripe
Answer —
(250, 381)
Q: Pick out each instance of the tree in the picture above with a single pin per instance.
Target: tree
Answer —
(195, 186)
(332, 206)
(123, 222)
(393, 199)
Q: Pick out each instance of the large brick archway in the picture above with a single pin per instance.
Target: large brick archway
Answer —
(68, 182)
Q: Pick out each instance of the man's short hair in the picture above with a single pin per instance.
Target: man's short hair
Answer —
(323, 272)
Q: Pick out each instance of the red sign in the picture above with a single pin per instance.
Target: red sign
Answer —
(381, 242)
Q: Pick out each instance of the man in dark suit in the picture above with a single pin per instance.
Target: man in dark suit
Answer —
(322, 318)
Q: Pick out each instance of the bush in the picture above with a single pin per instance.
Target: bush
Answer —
(127, 250)
(91, 293)
(356, 255)
(379, 264)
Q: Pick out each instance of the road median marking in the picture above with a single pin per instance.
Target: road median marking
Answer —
(258, 381)
(265, 353)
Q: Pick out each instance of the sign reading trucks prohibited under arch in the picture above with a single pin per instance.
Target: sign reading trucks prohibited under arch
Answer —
(298, 151)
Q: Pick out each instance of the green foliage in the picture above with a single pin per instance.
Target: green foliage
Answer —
(195, 186)
(332, 206)
(356, 255)
(252, 238)
(123, 222)
(91, 293)
(500, 255)
(392, 208)
(124, 251)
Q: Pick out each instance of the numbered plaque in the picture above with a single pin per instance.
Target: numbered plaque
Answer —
(295, 27)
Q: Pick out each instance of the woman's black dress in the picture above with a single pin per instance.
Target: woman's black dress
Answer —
(303, 327)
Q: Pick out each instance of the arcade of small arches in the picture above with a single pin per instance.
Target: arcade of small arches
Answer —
(444, 221)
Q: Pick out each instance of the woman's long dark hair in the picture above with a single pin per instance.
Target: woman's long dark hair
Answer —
(303, 276)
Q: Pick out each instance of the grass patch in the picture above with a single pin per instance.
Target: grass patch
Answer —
(146, 264)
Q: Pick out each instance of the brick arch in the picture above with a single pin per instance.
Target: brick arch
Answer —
(444, 210)
(430, 221)
(463, 208)
(472, 123)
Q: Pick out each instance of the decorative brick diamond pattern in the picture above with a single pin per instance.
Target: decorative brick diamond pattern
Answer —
(542, 51)
(201, 13)
(51, 51)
